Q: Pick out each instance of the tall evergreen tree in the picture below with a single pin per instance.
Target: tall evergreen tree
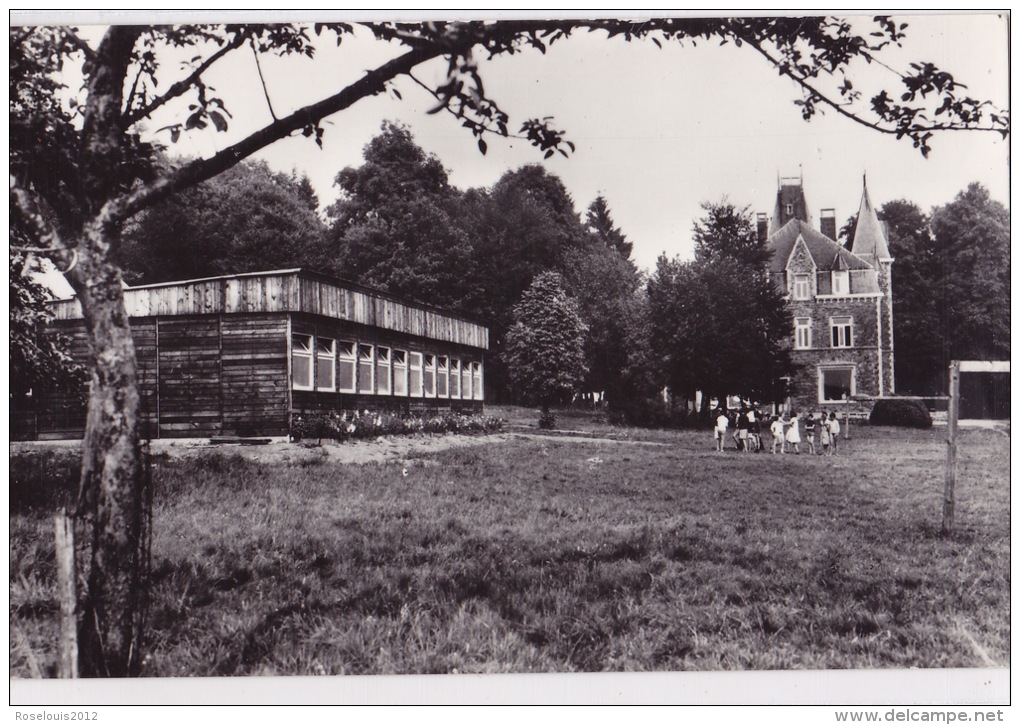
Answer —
(600, 223)
(545, 344)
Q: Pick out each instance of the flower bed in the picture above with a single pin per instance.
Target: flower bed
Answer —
(366, 424)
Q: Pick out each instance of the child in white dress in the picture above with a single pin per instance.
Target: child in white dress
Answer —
(793, 435)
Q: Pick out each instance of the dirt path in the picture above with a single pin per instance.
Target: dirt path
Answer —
(377, 450)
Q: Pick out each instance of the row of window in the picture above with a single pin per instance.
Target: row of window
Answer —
(802, 285)
(841, 331)
(328, 365)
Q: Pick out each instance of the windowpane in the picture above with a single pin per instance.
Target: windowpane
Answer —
(414, 385)
(443, 377)
(325, 364)
(348, 367)
(803, 333)
(836, 383)
(801, 287)
(842, 332)
(382, 370)
(399, 372)
(841, 283)
(301, 361)
(430, 376)
(366, 370)
(476, 380)
(455, 378)
(465, 380)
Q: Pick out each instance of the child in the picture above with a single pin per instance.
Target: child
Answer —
(833, 433)
(793, 435)
(721, 423)
(743, 427)
(809, 430)
(823, 427)
(778, 436)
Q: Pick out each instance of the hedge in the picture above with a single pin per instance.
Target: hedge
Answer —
(899, 412)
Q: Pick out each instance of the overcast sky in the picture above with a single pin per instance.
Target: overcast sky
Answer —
(657, 132)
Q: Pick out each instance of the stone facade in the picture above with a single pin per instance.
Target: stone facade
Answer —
(841, 306)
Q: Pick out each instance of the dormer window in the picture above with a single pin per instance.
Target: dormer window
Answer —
(841, 282)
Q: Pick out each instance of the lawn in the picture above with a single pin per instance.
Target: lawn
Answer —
(647, 552)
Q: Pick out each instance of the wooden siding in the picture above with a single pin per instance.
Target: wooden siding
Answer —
(292, 291)
(190, 401)
(254, 375)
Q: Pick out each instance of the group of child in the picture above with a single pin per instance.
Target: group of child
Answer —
(748, 424)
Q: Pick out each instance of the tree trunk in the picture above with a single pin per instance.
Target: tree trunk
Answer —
(111, 497)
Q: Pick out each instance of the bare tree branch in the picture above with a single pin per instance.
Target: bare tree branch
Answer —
(265, 91)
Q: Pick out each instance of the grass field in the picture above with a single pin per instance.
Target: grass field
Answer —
(649, 552)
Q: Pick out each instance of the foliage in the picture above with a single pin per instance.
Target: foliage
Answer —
(545, 345)
(718, 324)
(916, 299)
(37, 360)
(950, 286)
(971, 238)
(729, 232)
(606, 286)
(902, 413)
(247, 219)
(394, 227)
(600, 223)
(360, 425)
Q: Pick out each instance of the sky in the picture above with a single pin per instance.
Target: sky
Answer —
(658, 132)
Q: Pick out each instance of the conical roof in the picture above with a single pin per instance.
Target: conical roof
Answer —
(869, 242)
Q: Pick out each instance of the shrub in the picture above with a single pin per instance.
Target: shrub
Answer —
(547, 421)
(366, 424)
(898, 412)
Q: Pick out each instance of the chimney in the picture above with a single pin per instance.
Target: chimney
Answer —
(763, 226)
(827, 223)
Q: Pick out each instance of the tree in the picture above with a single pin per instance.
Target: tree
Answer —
(950, 281)
(726, 232)
(38, 361)
(719, 325)
(394, 226)
(524, 225)
(247, 219)
(605, 285)
(971, 238)
(80, 171)
(545, 345)
(600, 223)
(916, 295)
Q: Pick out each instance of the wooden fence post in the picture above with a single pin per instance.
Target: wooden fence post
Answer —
(949, 496)
(64, 533)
